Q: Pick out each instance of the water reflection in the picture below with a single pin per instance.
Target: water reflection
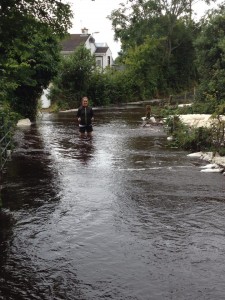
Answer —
(31, 176)
(85, 150)
(6, 224)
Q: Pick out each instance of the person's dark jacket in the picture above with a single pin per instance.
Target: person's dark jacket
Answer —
(85, 113)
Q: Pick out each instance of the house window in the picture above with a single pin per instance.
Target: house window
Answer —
(109, 61)
(98, 62)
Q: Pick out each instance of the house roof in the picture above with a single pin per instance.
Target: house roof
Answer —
(71, 42)
(101, 50)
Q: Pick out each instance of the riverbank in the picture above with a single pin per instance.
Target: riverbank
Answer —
(216, 163)
(205, 120)
(199, 120)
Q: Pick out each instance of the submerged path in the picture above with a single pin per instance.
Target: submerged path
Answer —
(118, 217)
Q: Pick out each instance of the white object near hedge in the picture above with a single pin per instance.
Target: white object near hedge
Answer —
(24, 122)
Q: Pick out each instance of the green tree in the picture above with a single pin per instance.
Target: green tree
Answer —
(210, 47)
(112, 87)
(169, 22)
(149, 18)
(29, 33)
(144, 65)
(39, 58)
(74, 77)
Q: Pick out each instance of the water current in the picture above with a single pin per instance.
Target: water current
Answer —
(118, 217)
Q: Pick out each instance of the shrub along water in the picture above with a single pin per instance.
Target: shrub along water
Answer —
(197, 139)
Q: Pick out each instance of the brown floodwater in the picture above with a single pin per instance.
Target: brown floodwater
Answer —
(119, 217)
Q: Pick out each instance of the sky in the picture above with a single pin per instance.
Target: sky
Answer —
(93, 16)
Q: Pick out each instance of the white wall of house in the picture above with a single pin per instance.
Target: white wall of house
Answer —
(108, 60)
(104, 60)
(90, 46)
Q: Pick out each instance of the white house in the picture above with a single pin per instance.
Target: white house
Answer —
(103, 55)
(101, 51)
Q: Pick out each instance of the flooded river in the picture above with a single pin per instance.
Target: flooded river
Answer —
(118, 217)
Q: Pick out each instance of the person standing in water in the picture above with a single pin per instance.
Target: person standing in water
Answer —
(147, 114)
(85, 117)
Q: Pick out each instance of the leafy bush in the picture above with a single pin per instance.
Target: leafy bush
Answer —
(192, 139)
(73, 78)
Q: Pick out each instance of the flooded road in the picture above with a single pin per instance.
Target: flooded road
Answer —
(118, 217)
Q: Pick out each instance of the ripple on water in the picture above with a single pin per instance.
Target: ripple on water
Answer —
(118, 217)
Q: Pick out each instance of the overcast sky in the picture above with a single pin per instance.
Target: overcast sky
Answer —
(93, 16)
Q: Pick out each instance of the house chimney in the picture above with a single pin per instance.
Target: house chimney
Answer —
(84, 30)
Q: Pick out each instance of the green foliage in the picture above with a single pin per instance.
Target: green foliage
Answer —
(220, 110)
(143, 66)
(132, 23)
(210, 46)
(157, 42)
(36, 60)
(218, 134)
(79, 76)
(111, 87)
(204, 107)
(8, 115)
(53, 13)
(74, 77)
(192, 139)
(221, 151)
(29, 52)
(197, 139)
